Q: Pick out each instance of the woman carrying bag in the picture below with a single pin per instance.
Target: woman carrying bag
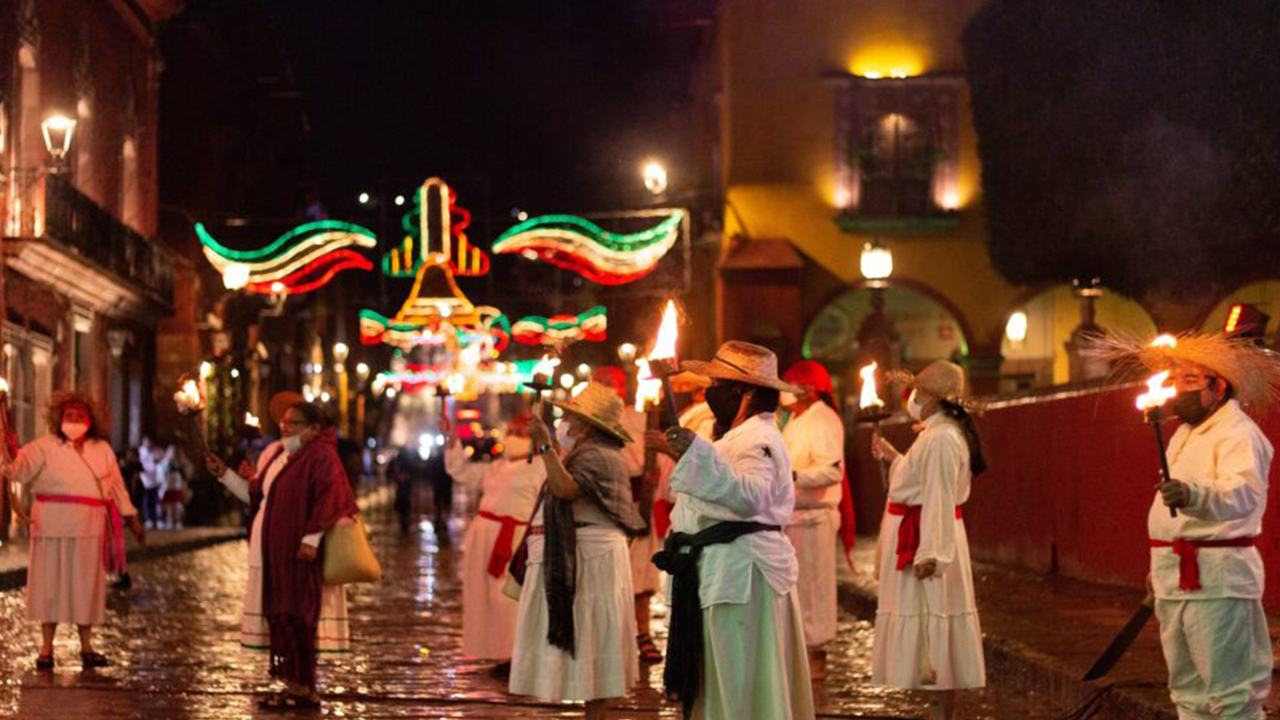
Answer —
(298, 492)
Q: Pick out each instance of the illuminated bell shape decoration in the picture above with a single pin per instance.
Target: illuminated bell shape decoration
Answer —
(436, 298)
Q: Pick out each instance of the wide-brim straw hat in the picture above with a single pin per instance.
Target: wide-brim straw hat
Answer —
(599, 405)
(1254, 372)
(742, 362)
(942, 379)
(281, 402)
(688, 382)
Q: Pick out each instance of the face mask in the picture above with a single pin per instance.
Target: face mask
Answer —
(292, 443)
(786, 399)
(1187, 406)
(724, 401)
(914, 408)
(74, 430)
(516, 446)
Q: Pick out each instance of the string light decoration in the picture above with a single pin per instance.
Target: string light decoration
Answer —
(577, 244)
(441, 201)
(590, 326)
(299, 261)
(376, 329)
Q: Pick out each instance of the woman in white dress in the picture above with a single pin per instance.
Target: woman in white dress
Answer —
(576, 631)
(927, 635)
(334, 634)
(81, 503)
(509, 488)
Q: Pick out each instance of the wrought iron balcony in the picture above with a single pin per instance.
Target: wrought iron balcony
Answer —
(49, 209)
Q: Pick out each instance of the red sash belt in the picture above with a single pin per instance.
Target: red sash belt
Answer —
(909, 531)
(502, 550)
(1187, 551)
(113, 542)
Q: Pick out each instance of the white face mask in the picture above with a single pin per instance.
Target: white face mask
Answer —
(914, 408)
(74, 430)
(516, 446)
(786, 399)
(292, 443)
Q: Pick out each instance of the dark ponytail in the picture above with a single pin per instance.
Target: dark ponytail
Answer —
(955, 411)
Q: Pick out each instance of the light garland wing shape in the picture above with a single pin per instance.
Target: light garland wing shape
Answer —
(577, 244)
(590, 326)
(302, 259)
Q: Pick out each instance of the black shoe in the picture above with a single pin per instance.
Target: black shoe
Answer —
(94, 660)
(44, 662)
(501, 671)
(124, 582)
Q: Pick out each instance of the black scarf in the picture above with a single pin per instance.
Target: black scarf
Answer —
(684, 636)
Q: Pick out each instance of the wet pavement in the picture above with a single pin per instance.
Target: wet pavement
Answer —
(174, 640)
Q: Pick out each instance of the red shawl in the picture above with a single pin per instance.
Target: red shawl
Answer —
(311, 494)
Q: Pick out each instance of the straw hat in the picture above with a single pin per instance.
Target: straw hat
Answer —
(1254, 372)
(745, 363)
(281, 402)
(942, 379)
(599, 405)
(686, 381)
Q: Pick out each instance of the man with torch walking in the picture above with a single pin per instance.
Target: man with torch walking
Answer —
(1206, 571)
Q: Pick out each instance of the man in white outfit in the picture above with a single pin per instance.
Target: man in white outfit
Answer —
(1206, 571)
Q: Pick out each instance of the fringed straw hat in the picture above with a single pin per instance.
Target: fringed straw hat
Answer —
(745, 363)
(941, 379)
(1254, 372)
(599, 405)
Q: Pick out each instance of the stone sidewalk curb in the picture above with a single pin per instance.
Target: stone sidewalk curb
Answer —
(1011, 662)
(191, 539)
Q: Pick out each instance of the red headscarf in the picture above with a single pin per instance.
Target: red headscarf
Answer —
(612, 376)
(809, 373)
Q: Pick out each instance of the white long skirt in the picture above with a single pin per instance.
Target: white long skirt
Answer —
(488, 615)
(333, 635)
(755, 665)
(815, 545)
(606, 661)
(66, 582)
(937, 617)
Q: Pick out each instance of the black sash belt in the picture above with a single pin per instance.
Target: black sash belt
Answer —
(684, 636)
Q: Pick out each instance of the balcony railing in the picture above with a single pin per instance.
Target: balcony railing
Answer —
(48, 206)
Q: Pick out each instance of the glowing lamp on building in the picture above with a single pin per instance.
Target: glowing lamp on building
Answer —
(1016, 328)
(58, 130)
(655, 177)
(235, 276)
(876, 263)
(1246, 321)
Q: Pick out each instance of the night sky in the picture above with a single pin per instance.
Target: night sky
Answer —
(548, 106)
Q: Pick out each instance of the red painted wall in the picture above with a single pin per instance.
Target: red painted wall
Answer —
(1070, 484)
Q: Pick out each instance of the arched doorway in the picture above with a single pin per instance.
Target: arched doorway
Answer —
(1040, 357)
(925, 327)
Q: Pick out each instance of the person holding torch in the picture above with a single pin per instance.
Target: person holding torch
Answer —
(927, 632)
(1206, 572)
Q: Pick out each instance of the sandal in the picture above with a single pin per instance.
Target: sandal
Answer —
(286, 701)
(44, 662)
(93, 659)
(649, 653)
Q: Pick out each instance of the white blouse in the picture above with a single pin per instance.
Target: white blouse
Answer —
(52, 466)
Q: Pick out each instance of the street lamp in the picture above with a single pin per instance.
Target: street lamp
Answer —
(876, 336)
(341, 351)
(340, 354)
(235, 276)
(655, 177)
(58, 130)
(876, 264)
(626, 352)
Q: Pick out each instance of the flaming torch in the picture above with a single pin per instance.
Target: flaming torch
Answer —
(190, 403)
(662, 360)
(871, 409)
(1151, 403)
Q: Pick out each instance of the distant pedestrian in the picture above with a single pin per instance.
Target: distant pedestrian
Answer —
(575, 636)
(173, 502)
(297, 491)
(927, 632)
(736, 644)
(155, 460)
(402, 472)
(510, 486)
(1206, 572)
(77, 523)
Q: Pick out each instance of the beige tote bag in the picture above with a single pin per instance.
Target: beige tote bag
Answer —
(348, 557)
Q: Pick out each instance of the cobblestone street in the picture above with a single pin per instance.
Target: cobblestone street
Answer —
(173, 639)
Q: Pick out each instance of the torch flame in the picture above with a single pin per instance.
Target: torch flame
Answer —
(188, 399)
(869, 397)
(1157, 393)
(665, 346)
(4, 386)
(251, 420)
(1165, 340)
(546, 366)
(648, 387)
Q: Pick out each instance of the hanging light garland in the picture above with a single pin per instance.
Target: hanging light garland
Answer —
(590, 326)
(464, 258)
(301, 260)
(577, 244)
